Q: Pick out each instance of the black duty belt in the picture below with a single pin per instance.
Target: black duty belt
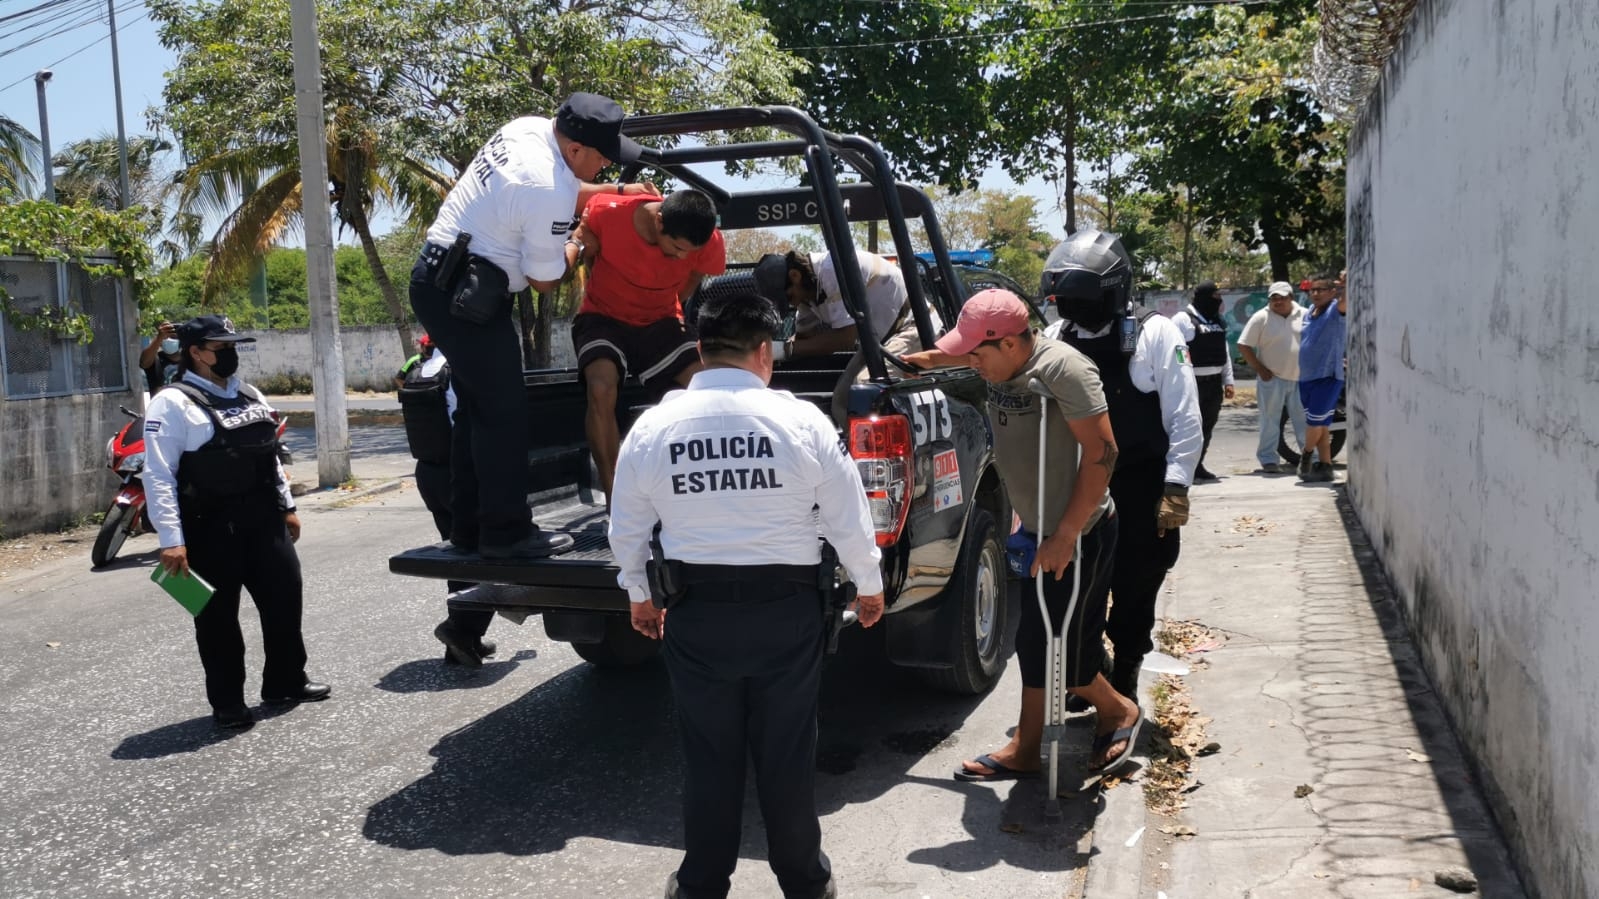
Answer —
(695, 573)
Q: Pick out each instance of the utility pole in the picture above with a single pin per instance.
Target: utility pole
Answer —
(327, 373)
(124, 200)
(40, 79)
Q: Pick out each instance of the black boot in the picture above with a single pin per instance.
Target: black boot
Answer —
(1124, 677)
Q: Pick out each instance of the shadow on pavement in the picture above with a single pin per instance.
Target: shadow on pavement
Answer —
(431, 675)
(594, 753)
(173, 739)
(145, 558)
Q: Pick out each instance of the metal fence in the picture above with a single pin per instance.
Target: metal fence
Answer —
(39, 363)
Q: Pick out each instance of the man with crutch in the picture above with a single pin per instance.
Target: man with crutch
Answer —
(1056, 475)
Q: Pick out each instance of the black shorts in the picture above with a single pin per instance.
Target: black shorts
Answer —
(657, 351)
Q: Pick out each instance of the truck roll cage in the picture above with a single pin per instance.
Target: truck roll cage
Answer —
(825, 203)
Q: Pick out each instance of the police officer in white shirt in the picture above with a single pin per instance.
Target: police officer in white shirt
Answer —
(510, 214)
(427, 406)
(1202, 325)
(744, 482)
(222, 509)
(1154, 413)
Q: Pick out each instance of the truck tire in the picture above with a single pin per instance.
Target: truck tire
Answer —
(622, 646)
(980, 581)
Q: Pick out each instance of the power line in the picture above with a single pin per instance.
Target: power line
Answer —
(89, 46)
(1020, 31)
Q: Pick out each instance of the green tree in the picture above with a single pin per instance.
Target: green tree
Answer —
(1239, 135)
(913, 76)
(19, 151)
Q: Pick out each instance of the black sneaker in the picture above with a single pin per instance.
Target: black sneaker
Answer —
(1321, 473)
(1305, 462)
(236, 717)
(458, 649)
(1203, 474)
(536, 545)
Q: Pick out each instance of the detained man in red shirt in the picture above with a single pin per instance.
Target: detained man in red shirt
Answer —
(648, 255)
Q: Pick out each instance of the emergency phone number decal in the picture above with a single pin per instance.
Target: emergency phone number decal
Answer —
(946, 481)
(930, 420)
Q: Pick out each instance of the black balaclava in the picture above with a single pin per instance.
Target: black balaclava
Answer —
(1207, 299)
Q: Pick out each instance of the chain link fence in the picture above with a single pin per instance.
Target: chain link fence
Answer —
(1357, 37)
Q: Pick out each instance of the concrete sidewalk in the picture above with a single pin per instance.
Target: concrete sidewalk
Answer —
(1337, 774)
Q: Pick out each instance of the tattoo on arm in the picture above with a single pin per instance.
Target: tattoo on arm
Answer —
(1107, 457)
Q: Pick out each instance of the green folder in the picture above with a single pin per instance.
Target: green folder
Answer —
(190, 590)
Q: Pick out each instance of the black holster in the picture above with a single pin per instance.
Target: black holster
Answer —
(665, 576)
(450, 269)
(836, 594)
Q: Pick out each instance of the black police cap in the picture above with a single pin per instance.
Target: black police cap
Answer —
(207, 328)
(596, 121)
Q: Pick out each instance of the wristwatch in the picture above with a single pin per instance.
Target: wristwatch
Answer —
(574, 242)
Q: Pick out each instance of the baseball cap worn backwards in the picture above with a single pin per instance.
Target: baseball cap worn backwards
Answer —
(596, 121)
(1280, 289)
(207, 328)
(988, 315)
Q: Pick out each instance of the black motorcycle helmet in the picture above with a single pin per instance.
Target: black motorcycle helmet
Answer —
(1089, 276)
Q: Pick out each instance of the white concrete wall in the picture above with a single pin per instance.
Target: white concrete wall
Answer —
(371, 354)
(1474, 394)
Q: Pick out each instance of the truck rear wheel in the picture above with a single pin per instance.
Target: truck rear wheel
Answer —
(980, 576)
(622, 647)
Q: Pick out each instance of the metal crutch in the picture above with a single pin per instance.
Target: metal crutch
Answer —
(1055, 660)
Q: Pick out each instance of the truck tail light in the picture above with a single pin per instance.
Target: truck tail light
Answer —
(881, 447)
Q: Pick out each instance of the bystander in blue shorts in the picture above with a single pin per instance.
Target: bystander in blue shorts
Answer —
(1320, 399)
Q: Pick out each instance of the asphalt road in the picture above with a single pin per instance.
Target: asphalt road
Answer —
(538, 776)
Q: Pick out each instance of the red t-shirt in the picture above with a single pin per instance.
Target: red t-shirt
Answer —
(633, 281)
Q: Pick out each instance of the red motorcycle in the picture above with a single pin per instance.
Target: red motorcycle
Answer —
(127, 516)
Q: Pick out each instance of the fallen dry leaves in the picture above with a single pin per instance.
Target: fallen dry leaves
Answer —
(1253, 525)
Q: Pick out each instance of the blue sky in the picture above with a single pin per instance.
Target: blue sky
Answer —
(81, 101)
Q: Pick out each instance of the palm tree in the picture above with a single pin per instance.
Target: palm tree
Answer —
(88, 172)
(19, 152)
(257, 191)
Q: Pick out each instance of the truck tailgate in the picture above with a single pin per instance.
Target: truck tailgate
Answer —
(589, 565)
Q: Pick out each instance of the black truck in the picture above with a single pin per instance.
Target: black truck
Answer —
(921, 440)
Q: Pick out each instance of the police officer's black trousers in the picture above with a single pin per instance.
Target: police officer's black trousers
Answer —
(433, 482)
(1142, 558)
(1211, 391)
(489, 442)
(745, 661)
(255, 555)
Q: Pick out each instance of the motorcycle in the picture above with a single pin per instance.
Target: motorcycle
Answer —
(1288, 444)
(127, 516)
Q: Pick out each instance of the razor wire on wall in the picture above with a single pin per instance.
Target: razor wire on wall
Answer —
(1356, 38)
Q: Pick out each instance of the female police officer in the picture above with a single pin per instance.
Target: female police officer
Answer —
(740, 477)
(221, 506)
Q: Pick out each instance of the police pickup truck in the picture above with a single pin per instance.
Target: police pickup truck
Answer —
(921, 440)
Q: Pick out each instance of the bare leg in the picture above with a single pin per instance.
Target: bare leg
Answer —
(605, 439)
(1321, 439)
(1022, 753)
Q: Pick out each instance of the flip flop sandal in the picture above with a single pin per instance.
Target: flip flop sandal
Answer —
(999, 771)
(1104, 741)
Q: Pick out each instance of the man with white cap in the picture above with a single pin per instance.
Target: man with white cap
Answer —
(1270, 344)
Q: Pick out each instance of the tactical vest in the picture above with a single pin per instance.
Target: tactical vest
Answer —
(237, 469)
(425, 408)
(1135, 417)
(1208, 349)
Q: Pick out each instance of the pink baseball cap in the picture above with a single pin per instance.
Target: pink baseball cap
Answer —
(989, 315)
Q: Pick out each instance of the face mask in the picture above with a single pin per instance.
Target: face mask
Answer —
(1090, 314)
(1209, 307)
(227, 362)
(169, 347)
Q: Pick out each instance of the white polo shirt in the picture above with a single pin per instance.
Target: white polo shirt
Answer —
(518, 200)
(738, 474)
(1275, 339)
(885, 292)
(1160, 364)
